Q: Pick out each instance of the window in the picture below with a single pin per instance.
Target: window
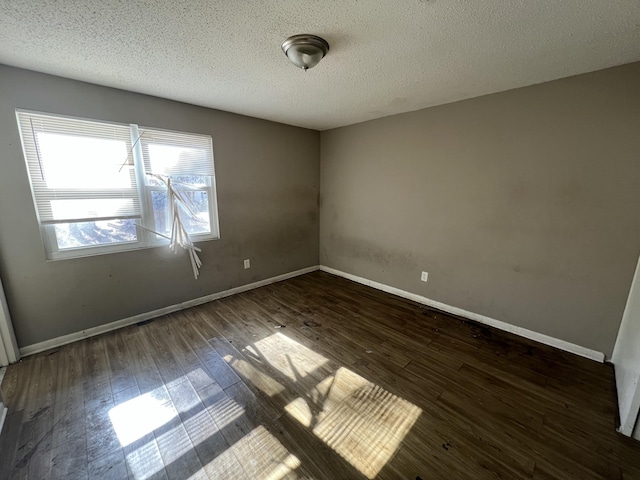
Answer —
(102, 187)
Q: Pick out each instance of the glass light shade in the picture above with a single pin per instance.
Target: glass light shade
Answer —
(305, 56)
(305, 51)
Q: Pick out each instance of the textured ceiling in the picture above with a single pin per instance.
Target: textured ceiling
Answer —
(386, 57)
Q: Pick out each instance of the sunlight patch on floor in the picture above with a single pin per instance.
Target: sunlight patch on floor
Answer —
(139, 416)
(144, 461)
(224, 411)
(148, 421)
(359, 420)
(290, 358)
(224, 465)
(263, 456)
(254, 376)
(363, 422)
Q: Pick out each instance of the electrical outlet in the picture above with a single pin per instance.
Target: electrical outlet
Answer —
(425, 276)
(247, 264)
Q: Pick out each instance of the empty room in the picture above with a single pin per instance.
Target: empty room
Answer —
(320, 240)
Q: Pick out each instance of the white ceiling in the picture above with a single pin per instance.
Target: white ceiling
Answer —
(386, 57)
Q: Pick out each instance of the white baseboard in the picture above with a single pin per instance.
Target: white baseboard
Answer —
(507, 327)
(523, 332)
(90, 332)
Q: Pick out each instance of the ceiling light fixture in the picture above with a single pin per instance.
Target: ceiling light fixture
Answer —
(305, 51)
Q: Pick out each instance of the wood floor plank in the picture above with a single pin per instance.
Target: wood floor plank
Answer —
(8, 440)
(357, 327)
(141, 361)
(120, 373)
(98, 400)
(144, 460)
(498, 439)
(191, 351)
(208, 442)
(318, 458)
(349, 342)
(14, 386)
(314, 377)
(111, 466)
(262, 381)
(207, 367)
(33, 455)
(176, 449)
(159, 346)
(304, 328)
(97, 385)
(100, 433)
(69, 444)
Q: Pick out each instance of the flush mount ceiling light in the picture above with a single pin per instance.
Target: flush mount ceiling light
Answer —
(305, 51)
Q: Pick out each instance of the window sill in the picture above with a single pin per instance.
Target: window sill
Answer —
(82, 252)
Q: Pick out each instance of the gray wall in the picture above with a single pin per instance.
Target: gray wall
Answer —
(522, 206)
(267, 179)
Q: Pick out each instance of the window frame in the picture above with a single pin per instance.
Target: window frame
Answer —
(50, 240)
(157, 240)
(145, 223)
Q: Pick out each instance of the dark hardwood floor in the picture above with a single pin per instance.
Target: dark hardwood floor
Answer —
(313, 377)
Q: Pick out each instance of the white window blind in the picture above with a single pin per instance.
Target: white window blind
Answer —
(80, 170)
(176, 153)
